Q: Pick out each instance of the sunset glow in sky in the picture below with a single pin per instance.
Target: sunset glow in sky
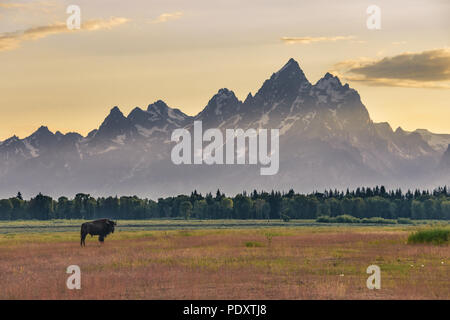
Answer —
(132, 53)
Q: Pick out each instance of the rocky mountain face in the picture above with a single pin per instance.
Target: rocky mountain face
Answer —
(445, 162)
(327, 140)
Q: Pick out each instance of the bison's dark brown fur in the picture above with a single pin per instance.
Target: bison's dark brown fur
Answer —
(100, 228)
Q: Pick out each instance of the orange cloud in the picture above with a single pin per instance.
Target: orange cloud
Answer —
(167, 16)
(43, 6)
(12, 40)
(309, 40)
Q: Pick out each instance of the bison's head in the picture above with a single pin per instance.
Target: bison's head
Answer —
(111, 225)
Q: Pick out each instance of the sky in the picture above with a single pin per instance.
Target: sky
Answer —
(132, 53)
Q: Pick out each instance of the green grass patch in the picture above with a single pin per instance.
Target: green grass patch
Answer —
(345, 218)
(436, 236)
(253, 244)
(404, 221)
(378, 220)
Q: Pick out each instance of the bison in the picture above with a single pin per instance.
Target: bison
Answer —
(101, 227)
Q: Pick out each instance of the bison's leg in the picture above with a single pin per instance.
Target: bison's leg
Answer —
(83, 236)
(101, 238)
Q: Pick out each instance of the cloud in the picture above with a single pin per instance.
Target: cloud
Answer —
(91, 25)
(167, 16)
(427, 69)
(12, 40)
(309, 40)
(13, 5)
(43, 6)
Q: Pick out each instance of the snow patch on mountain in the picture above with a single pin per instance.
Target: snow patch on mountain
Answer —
(149, 132)
(34, 152)
(120, 139)
(438, 142)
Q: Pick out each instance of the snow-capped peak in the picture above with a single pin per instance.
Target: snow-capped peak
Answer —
(328, 81)
(160, 110)
(11, 140)
(158, 107)
(222, 96)
(221, 107)
(290, 70)
(115, 111)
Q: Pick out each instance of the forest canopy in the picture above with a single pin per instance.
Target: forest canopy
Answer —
(361, 203)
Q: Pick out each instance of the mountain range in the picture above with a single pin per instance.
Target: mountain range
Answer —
(327, 140)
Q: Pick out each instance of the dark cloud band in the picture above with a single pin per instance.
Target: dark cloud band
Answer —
(424, 69)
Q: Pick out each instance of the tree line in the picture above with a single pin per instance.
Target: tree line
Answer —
(361, 203)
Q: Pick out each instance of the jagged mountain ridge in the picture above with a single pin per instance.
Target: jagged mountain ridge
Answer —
(327, 139)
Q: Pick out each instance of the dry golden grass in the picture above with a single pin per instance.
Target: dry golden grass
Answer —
(281, 263)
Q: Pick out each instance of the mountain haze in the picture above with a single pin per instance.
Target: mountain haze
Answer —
(327, 140)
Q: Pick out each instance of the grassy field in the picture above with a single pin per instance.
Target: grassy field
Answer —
(179, 259)
(60, 225)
